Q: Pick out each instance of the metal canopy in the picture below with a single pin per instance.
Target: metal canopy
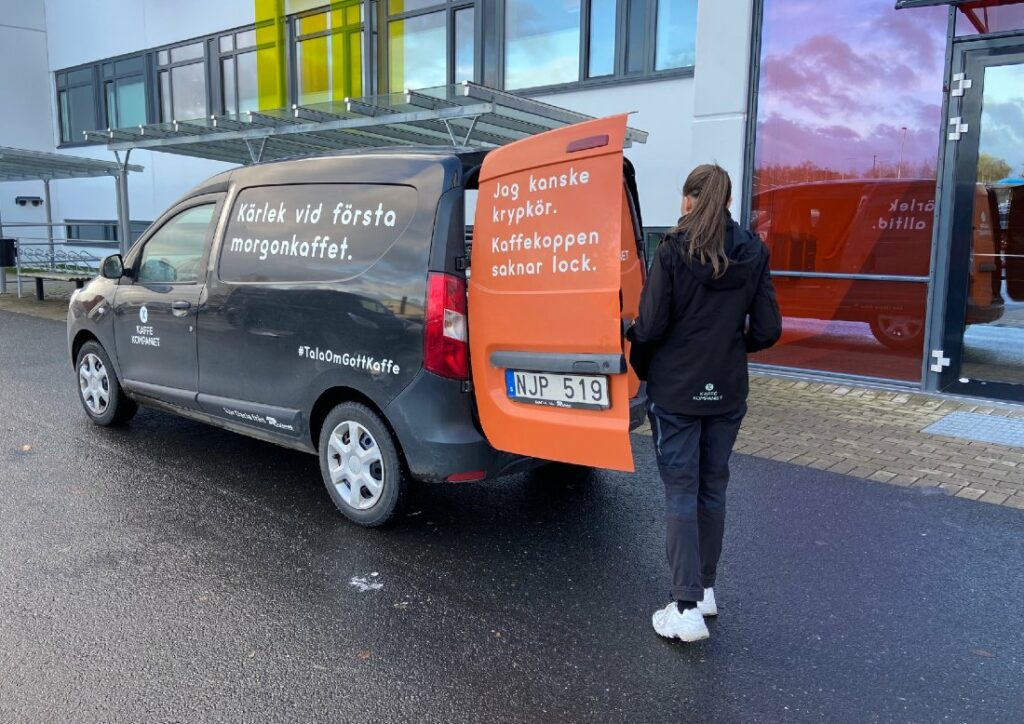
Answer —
(457, 115)
(18, 164)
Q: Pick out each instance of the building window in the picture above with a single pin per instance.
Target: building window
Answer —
(676, 34)
(239, 87)
(542, 42)
(181, 72)
(124, 92)
(430, 43)
(88, 232)
(76, 103)
(329, 53)
(553, 42)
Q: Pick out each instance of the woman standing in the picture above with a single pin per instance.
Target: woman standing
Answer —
(708, 302)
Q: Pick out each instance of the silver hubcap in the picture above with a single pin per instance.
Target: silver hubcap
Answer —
(900, 327)
(94, 384)
(356, 465)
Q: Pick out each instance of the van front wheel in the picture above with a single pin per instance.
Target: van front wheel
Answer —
(360, 465)
(99, 390)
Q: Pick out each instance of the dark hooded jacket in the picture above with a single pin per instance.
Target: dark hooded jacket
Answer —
(701, 329)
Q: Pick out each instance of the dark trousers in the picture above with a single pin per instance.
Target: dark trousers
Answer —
(693, 459)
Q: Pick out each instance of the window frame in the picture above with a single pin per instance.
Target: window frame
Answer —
(66, 87)
(103, 80)
(217, 58)
(170, 65)
(367, 58)
(449, 8)
(619, 75)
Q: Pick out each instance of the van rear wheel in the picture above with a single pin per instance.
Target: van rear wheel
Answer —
(900, 332)
(360, 465)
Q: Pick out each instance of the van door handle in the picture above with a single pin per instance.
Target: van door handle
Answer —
(180, 308)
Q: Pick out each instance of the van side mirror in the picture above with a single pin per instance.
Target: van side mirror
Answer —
(112, 267)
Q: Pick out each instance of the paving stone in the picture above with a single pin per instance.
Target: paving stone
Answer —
(878, 435)
(970, 493)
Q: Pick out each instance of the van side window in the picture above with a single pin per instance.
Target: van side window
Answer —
(312, 232)
(174, 253)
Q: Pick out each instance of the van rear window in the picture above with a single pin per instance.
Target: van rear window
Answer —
(312, 232)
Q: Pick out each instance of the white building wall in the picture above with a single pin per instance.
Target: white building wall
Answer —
(722, 75)
(26, 107)
(665, 110)
(83, 32)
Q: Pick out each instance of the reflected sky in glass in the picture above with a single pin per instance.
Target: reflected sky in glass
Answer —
(417, 52)
(464, 45)
(542, 42)
(840, 81)
(677, 34)
(602, 38)
(1002, 116)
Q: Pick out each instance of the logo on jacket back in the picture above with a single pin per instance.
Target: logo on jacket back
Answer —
(710, 394)
(143, 314)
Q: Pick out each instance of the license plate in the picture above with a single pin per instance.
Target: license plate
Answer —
(587, 392)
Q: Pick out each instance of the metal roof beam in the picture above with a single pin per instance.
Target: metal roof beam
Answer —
(535, 108)
(17, 164)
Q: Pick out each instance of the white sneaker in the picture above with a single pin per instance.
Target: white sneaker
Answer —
(686, 626)
(708, 607)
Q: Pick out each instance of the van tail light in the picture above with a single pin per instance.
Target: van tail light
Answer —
(445, 341)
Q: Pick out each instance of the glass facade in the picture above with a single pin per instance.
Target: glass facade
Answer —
(309, 52)
(844, 179)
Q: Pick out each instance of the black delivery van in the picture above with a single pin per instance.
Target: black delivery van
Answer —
(327, 304)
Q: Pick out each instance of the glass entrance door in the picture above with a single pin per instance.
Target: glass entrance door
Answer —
(984, 331)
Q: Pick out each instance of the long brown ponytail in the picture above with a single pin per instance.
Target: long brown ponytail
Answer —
(702, 231)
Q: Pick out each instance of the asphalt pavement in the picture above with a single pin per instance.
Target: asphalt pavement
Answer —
(170, 571)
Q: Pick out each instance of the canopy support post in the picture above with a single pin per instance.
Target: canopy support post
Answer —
(3, 270)
(123, 224)
(49, 219)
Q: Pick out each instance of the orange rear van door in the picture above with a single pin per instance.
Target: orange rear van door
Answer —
(547, 297)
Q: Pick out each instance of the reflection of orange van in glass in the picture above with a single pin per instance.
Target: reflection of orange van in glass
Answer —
(1010, 235)
(874, 230)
